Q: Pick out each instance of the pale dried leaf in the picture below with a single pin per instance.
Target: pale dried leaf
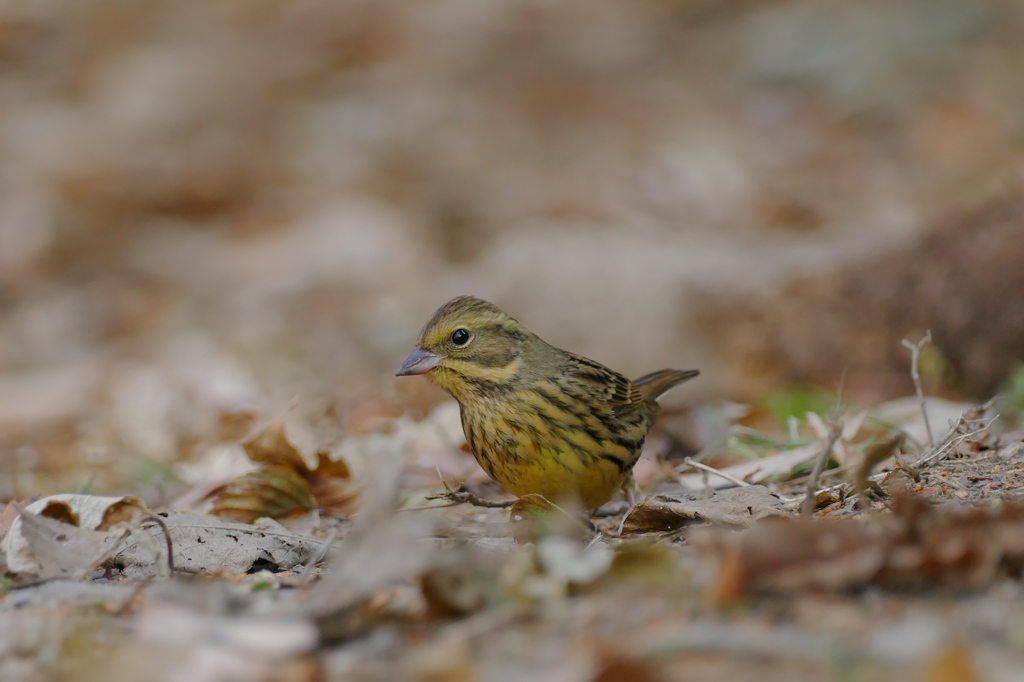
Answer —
(905, 413)
(63, 594)
(271, 445)
(916, 545)
(739, 507)
(818, 425)
(573, 561)
(790, 554)
(274, 491)
(48, 548)
(7, 517)
(266, 638)
(852, 425)
(755, 471)
(382, 547)
(292, 480)
(209, 545)
(36, 546)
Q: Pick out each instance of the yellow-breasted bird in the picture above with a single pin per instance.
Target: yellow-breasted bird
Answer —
(538, 419)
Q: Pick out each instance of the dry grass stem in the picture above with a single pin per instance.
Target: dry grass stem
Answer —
(167, 539)
(915, 354)
(711, 470)
(953, 438)
(819, 466)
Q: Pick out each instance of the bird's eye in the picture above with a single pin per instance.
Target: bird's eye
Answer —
(460, 337)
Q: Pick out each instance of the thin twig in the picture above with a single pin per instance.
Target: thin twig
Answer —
(930, 458)
(167, 539)
(819, 466)
(915, 354)
(466, 497)
(938, 452)
(711, 470)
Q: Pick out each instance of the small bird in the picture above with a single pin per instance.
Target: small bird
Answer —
(538, 419)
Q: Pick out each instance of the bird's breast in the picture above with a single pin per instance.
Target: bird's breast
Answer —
(543, 442)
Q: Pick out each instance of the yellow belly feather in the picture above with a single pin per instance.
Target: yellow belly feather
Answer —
(564, 464)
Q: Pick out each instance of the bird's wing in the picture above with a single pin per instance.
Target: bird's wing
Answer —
(618, 392)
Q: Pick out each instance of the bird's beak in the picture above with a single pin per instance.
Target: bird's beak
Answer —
(420, 362)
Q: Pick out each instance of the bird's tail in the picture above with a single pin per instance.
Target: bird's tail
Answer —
(654, 385)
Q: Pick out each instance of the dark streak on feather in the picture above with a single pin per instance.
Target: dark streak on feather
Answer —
(623, 466)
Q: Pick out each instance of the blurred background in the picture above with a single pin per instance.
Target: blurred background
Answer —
(215, 208)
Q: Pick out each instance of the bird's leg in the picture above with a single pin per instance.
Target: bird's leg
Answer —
(629, 489)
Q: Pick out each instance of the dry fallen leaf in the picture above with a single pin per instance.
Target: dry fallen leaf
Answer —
(285, 485)
(271, 445)
(47, 548)
(791, 553)
(7, 517)
(739, 507)
(464, 580)
(448, 658)
(957, 547)
(67, 535)
(210, 545)
(916, 546)
(381, 548)
(210, 646)
(572, 561)
(276, 491)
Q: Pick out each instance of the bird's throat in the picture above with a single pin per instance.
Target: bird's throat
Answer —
(465, 378)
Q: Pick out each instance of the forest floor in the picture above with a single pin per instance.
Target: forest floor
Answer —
(902, 562)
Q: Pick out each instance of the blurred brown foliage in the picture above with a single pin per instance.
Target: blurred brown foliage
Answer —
(213, 205)
(962, 281)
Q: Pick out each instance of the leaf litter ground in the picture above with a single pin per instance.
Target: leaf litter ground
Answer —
(905, 569)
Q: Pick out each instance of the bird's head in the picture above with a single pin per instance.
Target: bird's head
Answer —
(469, 345)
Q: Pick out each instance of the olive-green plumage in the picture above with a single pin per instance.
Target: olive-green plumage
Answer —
(538, 419)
